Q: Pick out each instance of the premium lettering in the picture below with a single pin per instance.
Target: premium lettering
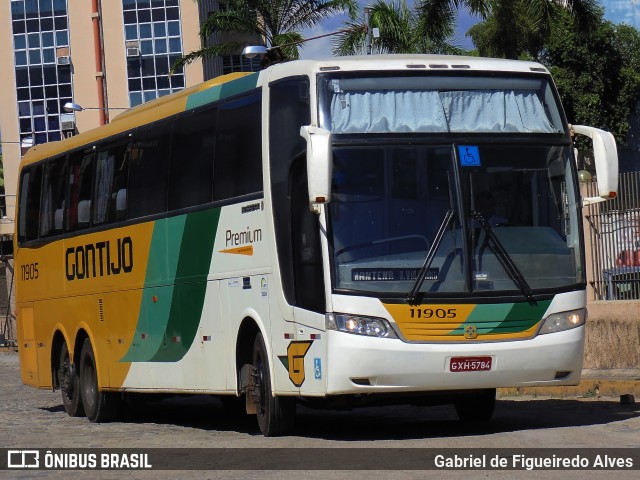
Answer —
(234, 239)
(99, 259)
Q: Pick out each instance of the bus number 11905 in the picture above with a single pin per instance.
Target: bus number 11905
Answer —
(431, 313)
(29, 271)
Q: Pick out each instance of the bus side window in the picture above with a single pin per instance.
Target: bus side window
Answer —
(53, 197)
(29, 215)
(305, 233)
(80, 186)
(148, 158)
(192, 152)
(109, 190)
(238, 166)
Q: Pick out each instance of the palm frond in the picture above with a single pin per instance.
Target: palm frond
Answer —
(437, 17)
(229, 48)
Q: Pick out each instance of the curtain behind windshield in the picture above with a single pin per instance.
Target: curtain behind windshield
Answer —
(428, 111)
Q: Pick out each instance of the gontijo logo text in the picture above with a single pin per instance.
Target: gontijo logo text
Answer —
(99, 259)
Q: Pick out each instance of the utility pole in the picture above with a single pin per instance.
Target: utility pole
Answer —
(368, 32)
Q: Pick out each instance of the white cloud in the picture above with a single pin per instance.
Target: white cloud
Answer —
(321, 47)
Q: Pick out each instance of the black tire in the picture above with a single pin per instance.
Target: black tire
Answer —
(98, 406)
(476, 407)
(276, 415)
(69, 384)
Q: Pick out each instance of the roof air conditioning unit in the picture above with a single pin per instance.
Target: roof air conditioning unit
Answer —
(67, 124)
(133, 52)
(64, 60)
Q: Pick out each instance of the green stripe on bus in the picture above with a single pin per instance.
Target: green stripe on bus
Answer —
(225, 90)
(175, 284)
(157, 296)
(504, 318)
(194, 261)
(526, 316)
(488, 315)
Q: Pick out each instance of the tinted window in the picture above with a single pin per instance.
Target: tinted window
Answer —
(305, 232)
(288, 111)
(110, 188)
(29, 203)
(53, 197)
(80, 186)
(148, 158)
(238, 166)
(192, 153)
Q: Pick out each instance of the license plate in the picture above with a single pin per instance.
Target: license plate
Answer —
(470, 364)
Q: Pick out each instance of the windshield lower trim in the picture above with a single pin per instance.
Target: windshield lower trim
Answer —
(462, 298)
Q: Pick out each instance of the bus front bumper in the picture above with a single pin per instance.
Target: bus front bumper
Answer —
(359, 364)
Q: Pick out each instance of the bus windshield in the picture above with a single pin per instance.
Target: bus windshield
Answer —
(514, 204)
(438, 104)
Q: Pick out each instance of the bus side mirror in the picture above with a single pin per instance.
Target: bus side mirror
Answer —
(605, 155)
(319, 165)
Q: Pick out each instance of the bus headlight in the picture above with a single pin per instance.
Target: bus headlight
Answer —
(369, 326)
(557, 322)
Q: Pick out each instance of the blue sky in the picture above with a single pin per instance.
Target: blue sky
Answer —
(627, 11)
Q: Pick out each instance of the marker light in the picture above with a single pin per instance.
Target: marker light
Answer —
(358, 325)
(558, 322)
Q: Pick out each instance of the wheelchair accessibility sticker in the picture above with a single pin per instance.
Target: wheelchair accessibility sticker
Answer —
(469, 155)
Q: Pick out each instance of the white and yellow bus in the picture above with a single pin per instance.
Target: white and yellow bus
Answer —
(337, 232)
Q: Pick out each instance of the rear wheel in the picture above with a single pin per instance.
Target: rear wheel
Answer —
(99, 406)
(276, 415)
(476, 407)
(69, 384)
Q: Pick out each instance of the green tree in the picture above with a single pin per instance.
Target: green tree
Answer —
(509, 26)
(597, 72)
(278, 22)
(400, 32)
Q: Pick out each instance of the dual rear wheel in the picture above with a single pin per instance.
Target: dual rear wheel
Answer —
(69, 384)
(79, 386)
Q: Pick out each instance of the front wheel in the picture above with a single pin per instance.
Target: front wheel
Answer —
(276, 415)
(99, 406)
(69, 384)
(476, 407)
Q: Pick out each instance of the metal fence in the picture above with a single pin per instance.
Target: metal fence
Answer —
(614, 237)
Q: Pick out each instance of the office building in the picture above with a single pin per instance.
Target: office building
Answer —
(101, 55)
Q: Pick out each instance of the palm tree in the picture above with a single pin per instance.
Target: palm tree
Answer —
(514, 23)
(277, 22)
(400, 32)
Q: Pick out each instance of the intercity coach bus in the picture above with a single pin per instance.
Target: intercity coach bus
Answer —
(360, 230)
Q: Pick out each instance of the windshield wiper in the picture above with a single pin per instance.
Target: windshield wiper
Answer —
(504, 258)
(446, 221)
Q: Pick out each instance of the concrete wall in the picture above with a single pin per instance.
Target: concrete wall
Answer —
(613, 335)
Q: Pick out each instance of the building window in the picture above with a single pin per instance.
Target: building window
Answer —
(43, 81)
(153, 44)
(239, 63)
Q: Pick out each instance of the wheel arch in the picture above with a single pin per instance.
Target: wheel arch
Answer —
(58, 339)
(245, 338)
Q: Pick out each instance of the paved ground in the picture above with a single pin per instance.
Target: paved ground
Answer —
(32, 418)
